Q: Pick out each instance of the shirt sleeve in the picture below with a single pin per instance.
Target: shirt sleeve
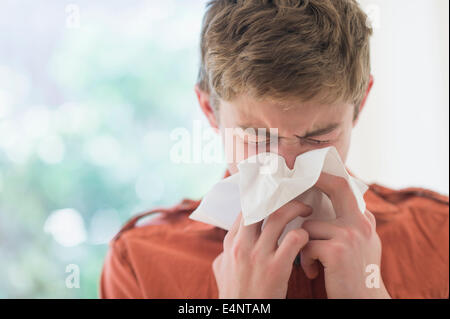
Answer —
(118, 279)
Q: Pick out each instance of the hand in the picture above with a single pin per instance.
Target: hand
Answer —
(252, 265)
(344, 246)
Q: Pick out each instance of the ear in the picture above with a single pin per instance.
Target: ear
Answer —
(363, 103)
(207, 109)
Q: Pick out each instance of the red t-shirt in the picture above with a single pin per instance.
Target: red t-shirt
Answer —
(171, 256)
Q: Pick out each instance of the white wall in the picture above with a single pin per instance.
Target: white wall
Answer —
(402, 139)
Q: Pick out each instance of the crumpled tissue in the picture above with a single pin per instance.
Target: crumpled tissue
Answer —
(264, 183)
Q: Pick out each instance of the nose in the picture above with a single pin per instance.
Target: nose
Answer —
(290, 153)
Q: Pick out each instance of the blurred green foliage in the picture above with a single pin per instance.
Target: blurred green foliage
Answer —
(102, 151)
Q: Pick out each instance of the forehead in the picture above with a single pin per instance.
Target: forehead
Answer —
(290, 116)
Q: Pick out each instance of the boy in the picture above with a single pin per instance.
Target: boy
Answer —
(302, 67)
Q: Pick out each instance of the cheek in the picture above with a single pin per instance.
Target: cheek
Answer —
(343, 145)
(236, 150)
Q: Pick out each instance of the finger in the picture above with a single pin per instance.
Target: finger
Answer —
(371, 218)
(291, 244)
(278, 220)
(249, 234)
(310, 257)
(234, 229)
(340, 193)
(321, 230)
(216, 264)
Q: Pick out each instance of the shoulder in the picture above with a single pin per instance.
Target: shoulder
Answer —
(162, 225)
(387, 202)
(413, 225)
(421, 211)
(152, 246)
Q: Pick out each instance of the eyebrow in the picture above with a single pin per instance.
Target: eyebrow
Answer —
(255, 129)
(321, 131)
(317, 132)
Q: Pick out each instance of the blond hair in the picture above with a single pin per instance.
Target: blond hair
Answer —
(278, 49)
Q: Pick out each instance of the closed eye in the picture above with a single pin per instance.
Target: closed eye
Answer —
(261, 142)
(316, 142)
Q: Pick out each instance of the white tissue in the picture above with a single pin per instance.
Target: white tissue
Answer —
(264, 183)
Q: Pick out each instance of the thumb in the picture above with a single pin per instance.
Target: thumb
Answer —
(309, 260)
